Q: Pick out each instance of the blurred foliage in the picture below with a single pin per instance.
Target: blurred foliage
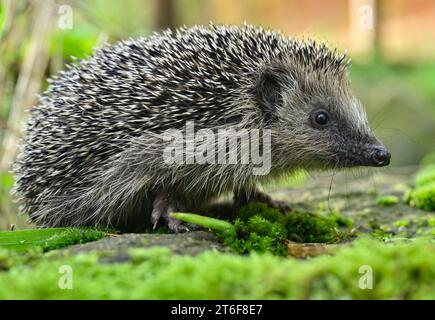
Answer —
(117, 19)
(79, 43)
(400, 102)
(8, 209)
(428, 159)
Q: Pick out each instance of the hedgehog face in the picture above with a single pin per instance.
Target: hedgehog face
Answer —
(339, 124)
(317, 120)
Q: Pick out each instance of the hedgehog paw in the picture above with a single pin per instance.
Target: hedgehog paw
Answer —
(163, 206)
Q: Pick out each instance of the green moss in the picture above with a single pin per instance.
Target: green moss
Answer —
(387, 201)
(425, 176)
(402, 223)
(256, 234)
(400, 271)
(380, 232)
(259, 208)
(263, 229)
(407, 196)
(257, 228)
(11, 258)
(424, 197)
(340, 220)
(307, 227)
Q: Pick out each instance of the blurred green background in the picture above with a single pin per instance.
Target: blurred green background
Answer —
(391, 44)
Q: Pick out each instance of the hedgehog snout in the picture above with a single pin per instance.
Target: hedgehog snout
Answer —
(370, 154)
(378, 156)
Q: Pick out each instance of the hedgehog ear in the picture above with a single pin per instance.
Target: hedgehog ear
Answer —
(269, 87)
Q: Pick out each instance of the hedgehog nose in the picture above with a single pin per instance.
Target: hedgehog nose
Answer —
(380, 156)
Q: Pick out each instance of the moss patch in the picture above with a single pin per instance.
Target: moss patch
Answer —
(258, 208)
(307, 227)
(340, 221)
(387, 201)
(256, 234)
(423, 195)
(400, 271)
(402, 223)
(425, 176)
(257, 228)
(263, 229)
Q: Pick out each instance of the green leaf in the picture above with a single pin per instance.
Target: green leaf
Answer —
(47, 239)
(22, 240)
(203, 221)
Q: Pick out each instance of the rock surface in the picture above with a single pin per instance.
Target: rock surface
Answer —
(191, 243)
(355, 195)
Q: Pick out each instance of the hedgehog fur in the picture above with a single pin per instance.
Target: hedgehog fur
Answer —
(91, 154)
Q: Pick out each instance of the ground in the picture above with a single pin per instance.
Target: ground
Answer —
(354, 197)
(361, 197)
(387, 254)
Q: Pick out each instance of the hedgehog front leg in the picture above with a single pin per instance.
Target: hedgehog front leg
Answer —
(163, 205)
(243, 197)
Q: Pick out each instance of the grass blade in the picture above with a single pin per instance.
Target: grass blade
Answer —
(206, 222)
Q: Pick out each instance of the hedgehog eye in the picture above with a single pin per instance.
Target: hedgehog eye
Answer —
(320, 119)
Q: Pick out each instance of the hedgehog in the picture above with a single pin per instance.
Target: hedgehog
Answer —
(92, 153)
